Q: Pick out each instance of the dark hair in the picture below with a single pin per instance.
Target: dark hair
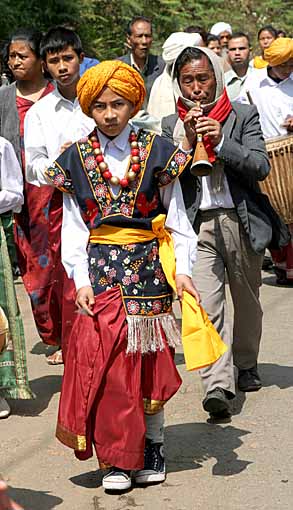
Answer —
(267, 28)
(134, 20)
(281, 32)
(59, 38)
(197, 29)
(212, 37)
(188, 55)
(28, 36)
(236, 35)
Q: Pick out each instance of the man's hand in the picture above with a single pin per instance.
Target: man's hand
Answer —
(196, 123)
(85, 299)
(184, 282)
(65, 146)
(190, 123)
(289, 123)
(210, 127)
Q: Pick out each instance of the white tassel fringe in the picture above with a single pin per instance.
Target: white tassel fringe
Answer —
(145, 333)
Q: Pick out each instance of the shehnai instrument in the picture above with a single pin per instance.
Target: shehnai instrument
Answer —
(200, 163)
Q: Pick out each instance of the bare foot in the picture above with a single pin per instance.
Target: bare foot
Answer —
(56, 358)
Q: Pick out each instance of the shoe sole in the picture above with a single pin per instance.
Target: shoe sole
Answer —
(116, 486)
(215, 405)
(150, 478)
(249, 389)
(4, 416)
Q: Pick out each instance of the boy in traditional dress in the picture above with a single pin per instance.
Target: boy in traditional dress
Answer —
(121, 194)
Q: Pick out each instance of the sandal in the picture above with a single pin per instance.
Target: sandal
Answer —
(56, 358)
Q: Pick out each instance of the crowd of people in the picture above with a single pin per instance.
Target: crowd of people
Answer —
(123, 183)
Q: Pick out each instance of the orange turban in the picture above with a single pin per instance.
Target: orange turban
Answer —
(119, 77)
(279, 52)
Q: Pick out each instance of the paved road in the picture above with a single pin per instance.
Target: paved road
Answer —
(246, 464)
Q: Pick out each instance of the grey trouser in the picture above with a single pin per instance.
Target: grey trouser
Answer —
(223, 245)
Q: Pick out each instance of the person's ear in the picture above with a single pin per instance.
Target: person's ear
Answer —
(128, 42)
(44, 66)
(81, 57)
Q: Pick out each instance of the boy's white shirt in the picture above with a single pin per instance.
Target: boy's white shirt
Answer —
(11, 181)
(75, 233)
(49, 123)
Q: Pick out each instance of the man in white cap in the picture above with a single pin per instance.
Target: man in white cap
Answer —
(162, 101)
(223, 31)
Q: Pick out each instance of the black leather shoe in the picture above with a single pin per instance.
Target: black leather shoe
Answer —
(217, 404)
(249, 380)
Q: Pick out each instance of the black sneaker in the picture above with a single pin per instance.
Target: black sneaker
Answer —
(249, 380)
(117, 480)
(154, 464)
(217, 404)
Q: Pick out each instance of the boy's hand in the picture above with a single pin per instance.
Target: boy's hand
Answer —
(184, 282)
(85, 299)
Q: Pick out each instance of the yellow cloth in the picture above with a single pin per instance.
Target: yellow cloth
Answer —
(279, 52)
(259, 63)
(202, 343)
(118, 76)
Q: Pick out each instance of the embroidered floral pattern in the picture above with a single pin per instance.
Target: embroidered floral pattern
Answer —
(137, 269)
(132, 307)
(101, 190)
(144, 206)
(173, 169)
(149, 306)
(143, 153)
(60, 179)
(90, 163)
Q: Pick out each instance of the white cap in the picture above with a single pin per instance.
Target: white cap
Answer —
(220, 27)
(176, 42)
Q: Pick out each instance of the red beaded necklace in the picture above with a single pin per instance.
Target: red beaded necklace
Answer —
(104, 169)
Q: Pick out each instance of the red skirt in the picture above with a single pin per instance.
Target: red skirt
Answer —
(38, 241)
(105, 392)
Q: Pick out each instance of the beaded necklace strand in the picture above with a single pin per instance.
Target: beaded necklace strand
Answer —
(104, 169)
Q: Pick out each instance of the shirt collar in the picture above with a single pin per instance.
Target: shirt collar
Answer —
(267, 80)
(232, 76)
(58, 98)
(133, 64)
(120, 142)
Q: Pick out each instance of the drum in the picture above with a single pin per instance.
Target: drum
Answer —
(279, 183)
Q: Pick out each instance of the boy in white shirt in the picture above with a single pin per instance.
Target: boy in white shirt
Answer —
(52, 125)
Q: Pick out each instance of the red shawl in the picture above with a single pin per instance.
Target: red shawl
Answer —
(219, 112)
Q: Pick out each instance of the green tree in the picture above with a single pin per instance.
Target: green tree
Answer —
(102, 23)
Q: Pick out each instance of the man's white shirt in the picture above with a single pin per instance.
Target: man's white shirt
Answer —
(274, 101)
(51, 122)
(11, 181)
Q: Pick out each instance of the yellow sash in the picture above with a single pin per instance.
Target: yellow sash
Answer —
(202, 344)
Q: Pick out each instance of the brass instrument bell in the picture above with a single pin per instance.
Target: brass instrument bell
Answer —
(200, 163)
